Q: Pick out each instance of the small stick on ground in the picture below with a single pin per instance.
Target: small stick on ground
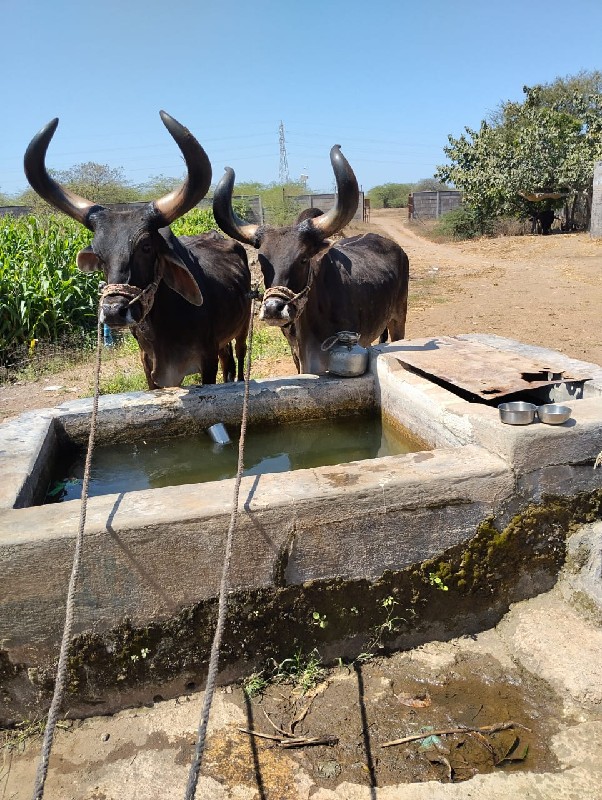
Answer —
(301, 716)
(500, 726)
(288, 742)
(274, 726)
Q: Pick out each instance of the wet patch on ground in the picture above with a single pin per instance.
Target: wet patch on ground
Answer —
(363, 706)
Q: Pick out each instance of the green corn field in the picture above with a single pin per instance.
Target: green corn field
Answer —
(42, 293)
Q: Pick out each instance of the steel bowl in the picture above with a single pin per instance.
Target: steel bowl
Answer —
(553, 414)
(517, 412)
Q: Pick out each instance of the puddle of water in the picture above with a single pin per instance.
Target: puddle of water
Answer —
(197, 459)
(389, 699)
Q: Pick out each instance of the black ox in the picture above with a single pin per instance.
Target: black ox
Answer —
(315, 289)
(185, 299)
(542, 221)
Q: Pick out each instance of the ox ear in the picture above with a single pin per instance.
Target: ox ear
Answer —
(179, 278)
(88, 261)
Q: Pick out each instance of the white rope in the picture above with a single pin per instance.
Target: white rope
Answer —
(61, 672)
(195, 767)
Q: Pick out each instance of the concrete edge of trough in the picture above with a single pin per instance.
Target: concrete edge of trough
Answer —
(444, 419)
(150, 554)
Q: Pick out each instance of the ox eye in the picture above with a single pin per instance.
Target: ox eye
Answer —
(146, 248)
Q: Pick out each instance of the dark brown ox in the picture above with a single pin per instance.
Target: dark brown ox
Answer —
(315, 289)
(185, 299)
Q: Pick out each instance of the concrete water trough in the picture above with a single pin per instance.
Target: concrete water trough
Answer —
(484, 509)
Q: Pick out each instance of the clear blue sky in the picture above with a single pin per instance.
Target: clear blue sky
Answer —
(388, 79)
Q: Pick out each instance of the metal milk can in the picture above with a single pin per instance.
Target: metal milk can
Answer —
(346, 357)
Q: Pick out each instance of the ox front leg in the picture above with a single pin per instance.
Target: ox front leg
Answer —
(209, 366)
(226, 359)
(148, 370)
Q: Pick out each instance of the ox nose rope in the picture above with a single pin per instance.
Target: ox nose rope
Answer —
(61, 672)
(298, 300)
(143, 296)
(195, 767)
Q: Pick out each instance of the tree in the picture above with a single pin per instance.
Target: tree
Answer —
(157, 186)
(390, 195)
(429, 185)
(546, 144)
(98, 183)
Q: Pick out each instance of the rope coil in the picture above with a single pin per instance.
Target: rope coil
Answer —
(350, 338)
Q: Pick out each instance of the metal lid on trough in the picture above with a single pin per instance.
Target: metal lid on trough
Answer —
(479, 369)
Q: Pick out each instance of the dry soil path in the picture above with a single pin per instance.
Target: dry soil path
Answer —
(544, 290)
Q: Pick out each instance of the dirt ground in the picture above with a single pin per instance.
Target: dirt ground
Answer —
(544, 290)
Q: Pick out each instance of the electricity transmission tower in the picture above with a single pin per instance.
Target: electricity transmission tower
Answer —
(283, 175)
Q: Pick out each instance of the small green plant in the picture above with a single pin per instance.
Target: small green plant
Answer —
(14, 738)
(319, 619)
(437, 582)
(255, 684)
(389, 625)
(126, 381)
(303, 671)
(463, 223)
(268, 342)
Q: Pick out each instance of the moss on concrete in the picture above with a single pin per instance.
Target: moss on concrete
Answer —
(341, 618)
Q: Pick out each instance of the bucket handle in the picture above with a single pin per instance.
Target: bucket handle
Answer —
(349, 338)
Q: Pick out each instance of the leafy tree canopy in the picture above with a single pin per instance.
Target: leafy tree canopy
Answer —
(98, 183)
(395, 195)
(157, 186)
(429, 185)
(548, 143)
(390, 195)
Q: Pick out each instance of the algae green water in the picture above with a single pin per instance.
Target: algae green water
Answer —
(196, 459)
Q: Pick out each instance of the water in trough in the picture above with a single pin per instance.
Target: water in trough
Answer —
(197, 459)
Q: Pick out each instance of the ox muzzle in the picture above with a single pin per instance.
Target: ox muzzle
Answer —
(123, 305)
(277, 311)
(118, 312)
(281, 306)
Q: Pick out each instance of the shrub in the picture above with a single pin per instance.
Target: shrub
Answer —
(463, 223)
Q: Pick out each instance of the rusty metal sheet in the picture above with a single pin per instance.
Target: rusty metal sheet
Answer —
(479, 368)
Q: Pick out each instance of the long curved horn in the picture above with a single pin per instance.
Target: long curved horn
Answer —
(225, 215)
(347, 196)
(198, 180)
(48, 189)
